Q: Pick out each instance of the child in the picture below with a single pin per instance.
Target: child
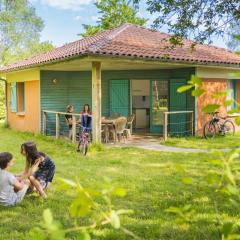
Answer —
(69, 119)
(86, 119)
(12, 191)
(39, 168)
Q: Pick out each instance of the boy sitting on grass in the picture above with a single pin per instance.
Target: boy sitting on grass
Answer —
(12, 191)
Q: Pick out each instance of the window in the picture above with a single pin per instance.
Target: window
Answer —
(17, 97)
(232, 93)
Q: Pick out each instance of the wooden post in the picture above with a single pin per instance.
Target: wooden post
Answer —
(73, 129)
(96, 101)
(44, 124)
(165, 124)
(57, 125)
(192, 119)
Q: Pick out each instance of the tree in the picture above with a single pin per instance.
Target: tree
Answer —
(113, 14)
(20, 30)
(195, 19)
(234, 39)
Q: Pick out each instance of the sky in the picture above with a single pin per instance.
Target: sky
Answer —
(64, 18)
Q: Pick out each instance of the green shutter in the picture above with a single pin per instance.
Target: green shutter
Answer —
(177, 102)
(119, 97)
(13, 97)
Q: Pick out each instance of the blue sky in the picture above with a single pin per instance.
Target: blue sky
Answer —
(64, 18)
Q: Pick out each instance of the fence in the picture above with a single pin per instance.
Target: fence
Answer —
(178, 123)
(54, 123)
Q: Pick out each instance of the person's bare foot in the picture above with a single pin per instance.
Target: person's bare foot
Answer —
(44, 195)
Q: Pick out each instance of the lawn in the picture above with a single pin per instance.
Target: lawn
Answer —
(219, 142)
(152, 182)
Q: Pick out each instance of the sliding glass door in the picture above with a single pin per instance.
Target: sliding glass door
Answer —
(159, 104)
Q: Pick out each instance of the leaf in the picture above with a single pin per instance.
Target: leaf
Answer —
(219, 94)
(227, 229)
(227, 103)
(47, 217)
(81, 206)
(84, 236)
(37, 234)
(197, 92)
(125, 211)
(195, 81)
(120, 192)
(187, 180)
(210, 108)
(68, 182)
(184, 88)
(115, 221)
(237, 121)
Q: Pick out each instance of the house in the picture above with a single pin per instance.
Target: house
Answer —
(126, 69)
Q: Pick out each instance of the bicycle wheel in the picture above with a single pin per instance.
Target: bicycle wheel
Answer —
(85, 148)
(228, 128)
(209, 130)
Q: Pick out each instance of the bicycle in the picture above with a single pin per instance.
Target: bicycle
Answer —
(218, 125)
(83, 140)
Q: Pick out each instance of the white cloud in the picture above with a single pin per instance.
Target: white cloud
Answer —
(67, 4)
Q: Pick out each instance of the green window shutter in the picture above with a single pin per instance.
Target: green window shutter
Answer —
(177, 102)
(23, 97)
(119, 97)
(13, 97)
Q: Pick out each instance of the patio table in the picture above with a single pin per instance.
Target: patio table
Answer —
(110, 122)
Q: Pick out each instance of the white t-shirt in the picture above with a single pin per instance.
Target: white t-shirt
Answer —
(7, 195)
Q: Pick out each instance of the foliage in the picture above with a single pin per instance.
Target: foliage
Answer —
(223, 178)
(2, 100)
(197, 19)
(87, 202)
(19, 26)
(31, 49)
(114, 13)
(234, 36)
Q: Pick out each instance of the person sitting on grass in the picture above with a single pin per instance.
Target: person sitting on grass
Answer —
(39, 168)
(12, 191)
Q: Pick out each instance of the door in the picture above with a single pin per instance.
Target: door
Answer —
(177, 102)
(158, 104)
(119, 97)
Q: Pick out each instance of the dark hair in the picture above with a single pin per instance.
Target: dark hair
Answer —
(5, 158)
(32, 153)
(85, 106)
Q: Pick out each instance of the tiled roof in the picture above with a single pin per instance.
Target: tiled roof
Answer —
(133, 42)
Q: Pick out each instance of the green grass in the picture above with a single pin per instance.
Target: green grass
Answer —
(219, 142)
(150, 178)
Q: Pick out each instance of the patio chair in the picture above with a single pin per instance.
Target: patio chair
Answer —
(115, 115)
(120, 127)
(105, 133)
(128, 129)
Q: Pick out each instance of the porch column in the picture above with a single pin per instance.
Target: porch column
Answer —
(96, 101)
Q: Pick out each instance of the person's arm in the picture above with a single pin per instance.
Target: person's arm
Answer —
(18, 185)
(35, 166)
(25, 174)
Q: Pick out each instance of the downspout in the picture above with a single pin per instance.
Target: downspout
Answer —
(6, 100)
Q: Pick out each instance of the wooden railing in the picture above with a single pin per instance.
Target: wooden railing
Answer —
(165, 122)
(57, 114)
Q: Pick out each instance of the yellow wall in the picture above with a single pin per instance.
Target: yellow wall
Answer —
(210, 72)
(23, 76)
(30, 121)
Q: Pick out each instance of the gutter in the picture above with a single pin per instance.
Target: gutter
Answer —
(6, 100)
